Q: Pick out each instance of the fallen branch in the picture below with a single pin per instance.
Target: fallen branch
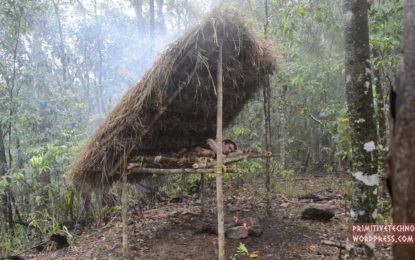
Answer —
(315, 197)
(333, 243)
(39, 245)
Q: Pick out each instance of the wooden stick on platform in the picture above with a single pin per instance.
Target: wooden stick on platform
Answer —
(194, 162)
(174, 171)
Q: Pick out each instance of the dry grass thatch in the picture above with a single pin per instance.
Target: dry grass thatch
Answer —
(174, 104)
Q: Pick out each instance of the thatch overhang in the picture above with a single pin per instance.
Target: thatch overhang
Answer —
(174, 104)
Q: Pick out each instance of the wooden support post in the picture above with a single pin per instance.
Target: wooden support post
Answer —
(267, 124)
(124, 201)
(267, 93)
(184, 186)
(202, 195)
(98, 198)
(219, 162)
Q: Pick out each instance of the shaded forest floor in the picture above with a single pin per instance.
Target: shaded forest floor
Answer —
(176, 230)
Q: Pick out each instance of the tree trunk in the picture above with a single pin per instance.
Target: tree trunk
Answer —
(379, 102)
(138, 9)
(85, 78)
(403, 138)
(3, 160)
(61, 45)
(6, 195)
(99, 94)
(160, 18)
(361, 116)
(152, 19)
(284, 127)
(11, 85)
(267, 125)
(85, 207)
(3, 170)
(11, 88)
(380, 105)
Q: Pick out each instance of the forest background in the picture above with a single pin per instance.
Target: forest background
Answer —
(65, 63)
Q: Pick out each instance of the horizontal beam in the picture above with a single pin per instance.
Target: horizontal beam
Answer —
(146, 164)
(173, 171)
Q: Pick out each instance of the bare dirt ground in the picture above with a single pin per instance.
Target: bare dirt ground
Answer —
(177, 231)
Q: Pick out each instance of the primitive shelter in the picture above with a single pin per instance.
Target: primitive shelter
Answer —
(174, 104)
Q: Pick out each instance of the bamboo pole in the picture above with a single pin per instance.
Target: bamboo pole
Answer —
(219, 157)
(124, 201)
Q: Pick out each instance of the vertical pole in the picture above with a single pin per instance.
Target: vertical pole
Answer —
(267, 146)
(219, 162)
(202, 194)
(124, 201)
(267, 124)
(184, 186)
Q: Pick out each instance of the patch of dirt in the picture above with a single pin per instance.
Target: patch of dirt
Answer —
(177, 231)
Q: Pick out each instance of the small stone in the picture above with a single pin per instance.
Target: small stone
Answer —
(238, 232)
(255, 231)
(317, 212)
(176, 200)
(323, 253)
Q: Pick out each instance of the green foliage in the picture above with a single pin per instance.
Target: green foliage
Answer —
(51, 157)
(9, 242)
(384, 211)
(242, 250)
(348, 189)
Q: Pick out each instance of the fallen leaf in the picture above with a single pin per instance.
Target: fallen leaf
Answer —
(285, 205)
(254, 254)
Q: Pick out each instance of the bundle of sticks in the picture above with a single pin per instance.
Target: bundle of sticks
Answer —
(170, 164)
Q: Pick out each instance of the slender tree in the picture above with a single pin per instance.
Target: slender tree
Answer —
(3, 169)
(403, 137)
(267, 124)
(361, 116)
(160, 17)
(99, 45)
(3, 160)
(152, 19)
(138, 9)
(62, 54)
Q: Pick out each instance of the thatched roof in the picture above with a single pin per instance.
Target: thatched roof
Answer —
(174, 104)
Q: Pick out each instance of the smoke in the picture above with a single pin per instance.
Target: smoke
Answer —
(118, 53)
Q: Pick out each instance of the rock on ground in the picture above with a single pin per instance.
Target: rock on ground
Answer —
(317, 212)
(238, 232)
